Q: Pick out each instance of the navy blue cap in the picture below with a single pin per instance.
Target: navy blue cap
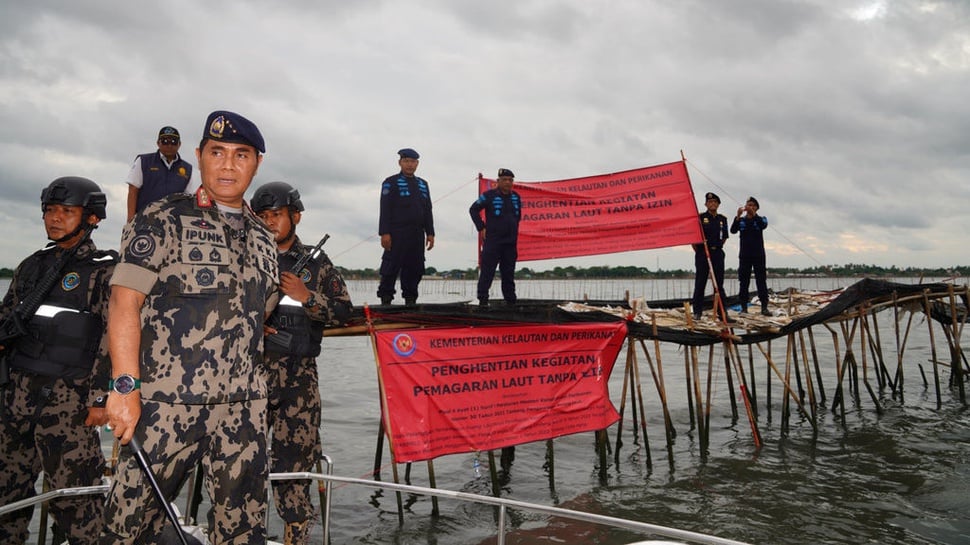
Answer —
(408, 153)
(231, 127)
(754, 201)
(505, 172)
(169, 131)
(712, 196)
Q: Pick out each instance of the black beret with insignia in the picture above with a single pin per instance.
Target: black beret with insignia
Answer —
(505, 172)
(226, 126)
(708, 196)
(408, 153)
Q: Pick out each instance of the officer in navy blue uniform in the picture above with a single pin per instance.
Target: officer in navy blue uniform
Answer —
(752, 254)
(500, 234)
(154, 175)
(406, 227)
(715, 229)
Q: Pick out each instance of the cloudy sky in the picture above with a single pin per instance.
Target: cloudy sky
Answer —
(847, 119)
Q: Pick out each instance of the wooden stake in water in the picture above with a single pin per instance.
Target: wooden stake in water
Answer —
(936, 371)
(818, 370)
(955, 350)
(659, 377)
(627, 371)
(808, 375)
(638, 387)
(698, 400)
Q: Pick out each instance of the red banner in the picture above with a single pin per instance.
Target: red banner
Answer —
(639, 209)
(471, 389)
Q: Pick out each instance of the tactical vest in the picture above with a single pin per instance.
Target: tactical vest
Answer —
(62, 338)
(300, 336)
(158, 180)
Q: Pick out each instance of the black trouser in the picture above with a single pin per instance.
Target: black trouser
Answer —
(760, 278)
(700, 281)
(406, 257)
(503, 256)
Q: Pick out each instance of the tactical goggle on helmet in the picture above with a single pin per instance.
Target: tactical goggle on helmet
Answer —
(275, 195)
(75, 191)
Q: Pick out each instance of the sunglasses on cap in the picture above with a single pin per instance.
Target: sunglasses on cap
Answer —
(168, 141)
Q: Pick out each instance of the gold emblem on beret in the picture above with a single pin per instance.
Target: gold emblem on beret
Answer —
(217, 127)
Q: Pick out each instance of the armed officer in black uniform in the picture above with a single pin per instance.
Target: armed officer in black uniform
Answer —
(313, 296)
(406, 227)
(715, 229)
(53, 318)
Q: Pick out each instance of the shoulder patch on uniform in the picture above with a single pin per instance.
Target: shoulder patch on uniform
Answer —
(141, 246)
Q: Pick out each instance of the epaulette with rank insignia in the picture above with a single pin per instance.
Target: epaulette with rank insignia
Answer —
(202, 198)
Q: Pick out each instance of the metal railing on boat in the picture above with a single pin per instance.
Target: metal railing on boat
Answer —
(503, 505)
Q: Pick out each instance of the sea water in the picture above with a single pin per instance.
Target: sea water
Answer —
(900, 475)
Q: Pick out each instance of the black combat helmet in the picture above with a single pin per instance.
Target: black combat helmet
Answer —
(75, 191)
(276, 195)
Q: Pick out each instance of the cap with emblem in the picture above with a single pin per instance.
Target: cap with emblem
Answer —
(505, 172)
(168, 131)
(231, 127)
(408, 153)
(712, 196)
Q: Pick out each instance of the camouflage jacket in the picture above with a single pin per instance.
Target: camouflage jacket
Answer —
(208, 290)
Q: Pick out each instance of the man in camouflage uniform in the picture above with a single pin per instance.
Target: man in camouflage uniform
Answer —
(312, 297)
(58, 367)
(196, 280)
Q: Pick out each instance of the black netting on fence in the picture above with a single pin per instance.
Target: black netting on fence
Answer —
(865, 292)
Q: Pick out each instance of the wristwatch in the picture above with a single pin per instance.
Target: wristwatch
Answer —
(311, 301)
(124, 384)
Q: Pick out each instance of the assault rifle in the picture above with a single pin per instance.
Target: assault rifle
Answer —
(300, 263)
(15, 325)
(284, 338)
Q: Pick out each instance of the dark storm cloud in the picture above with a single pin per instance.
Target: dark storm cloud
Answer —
(847, 119)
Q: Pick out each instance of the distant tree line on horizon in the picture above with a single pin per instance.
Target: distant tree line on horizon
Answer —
(629, 271)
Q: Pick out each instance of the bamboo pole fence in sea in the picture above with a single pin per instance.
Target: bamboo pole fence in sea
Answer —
(774, 366)
(867, 368)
